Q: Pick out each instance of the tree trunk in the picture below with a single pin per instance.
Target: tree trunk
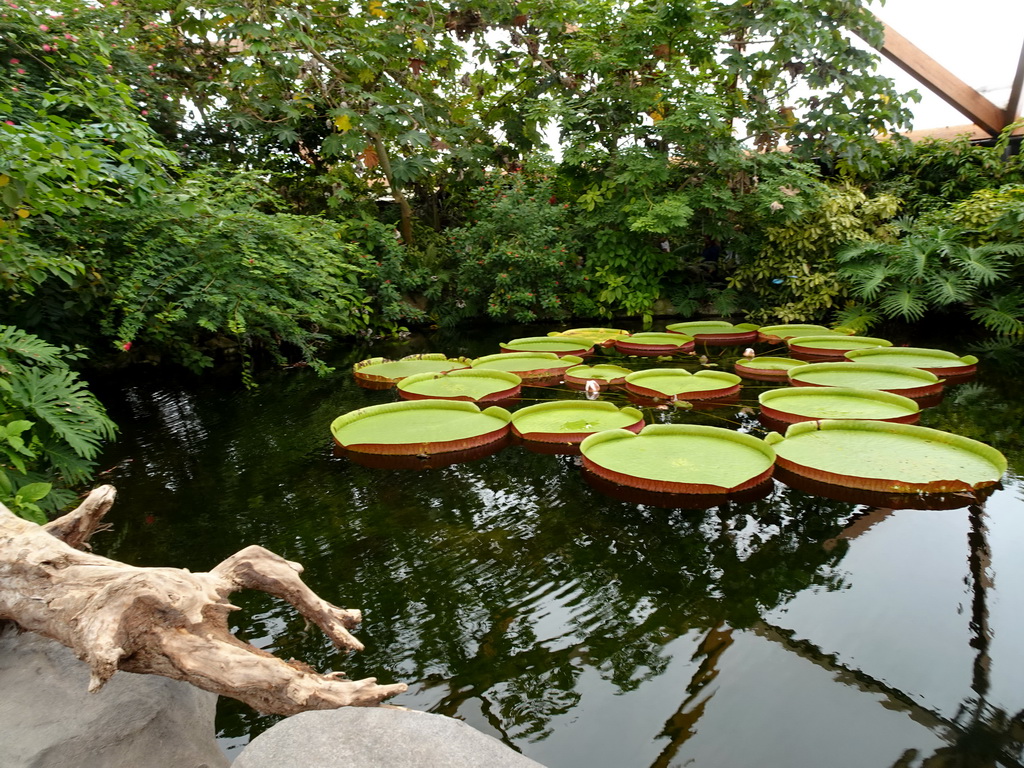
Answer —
(168, 621)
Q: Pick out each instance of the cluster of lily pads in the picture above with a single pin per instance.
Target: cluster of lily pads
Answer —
(848, 411)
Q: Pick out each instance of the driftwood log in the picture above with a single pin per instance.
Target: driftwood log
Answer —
(168, 621)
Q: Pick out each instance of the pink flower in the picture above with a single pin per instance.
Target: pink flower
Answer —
(15, 61)
(9, 122)
(43, 28)
(593, 389)
(748, 353)
(145, 112)
(21, 71)
(47, 47)
(126, 346)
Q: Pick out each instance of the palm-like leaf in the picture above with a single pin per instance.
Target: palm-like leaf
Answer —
(866, 280)
(906, 303)
(1003, 314)
(858, 317)
(948, 287)
(985, 263)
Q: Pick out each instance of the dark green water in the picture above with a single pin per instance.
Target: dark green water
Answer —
(584, 631)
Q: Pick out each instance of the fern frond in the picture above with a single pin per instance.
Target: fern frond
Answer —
(946, 287)
(905, 303)
(60, 400)
(18, 347)
(866, 280)
(1003, 314)
(985, 263)
(859, 317)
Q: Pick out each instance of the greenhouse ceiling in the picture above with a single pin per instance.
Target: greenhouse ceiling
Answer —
(966, 62)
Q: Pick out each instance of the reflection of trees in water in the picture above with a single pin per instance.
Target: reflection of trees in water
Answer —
(504, 580)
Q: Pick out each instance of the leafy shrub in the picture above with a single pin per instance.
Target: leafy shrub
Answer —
(51, 426)
(794, 275)
(514, 259)
(933, 269)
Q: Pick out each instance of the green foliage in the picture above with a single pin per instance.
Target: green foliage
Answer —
(51, 426)
(214, 267)
(932, 269)
(515, 259)
(793, 276)
(991, 214)
(72, 136)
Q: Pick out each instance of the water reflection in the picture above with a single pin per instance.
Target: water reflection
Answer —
(584, 629)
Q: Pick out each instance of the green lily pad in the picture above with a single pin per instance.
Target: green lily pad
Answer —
(679, 458)
(605, 375)
(909, 382)
(570, 421)
(680, 384)
(418, 427)
(654, 344)
(767, 368)
(532, 367)
(559, 345)
(382, 373)
(716, 332)
(808, 403)
(878, 456)
(938, 361)
(602, 336)
(832, 345)
(473, 384)
(777, 333)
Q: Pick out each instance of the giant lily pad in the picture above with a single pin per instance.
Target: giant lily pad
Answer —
(419, 427)
(604, 375)
(654, 344)
(680, 384)
(679, 458)
(943, 364)
(559, 345)
(909, 382)
(788, 406)
(776, 333)
(382, 373)
(570, 421)
(832, 345)
(716, 332)
(894, 458)
(767, 368)
(534, 368)
(602, 336)
(472, 384)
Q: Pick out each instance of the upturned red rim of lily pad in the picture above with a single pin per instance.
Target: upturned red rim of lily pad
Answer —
(559, 345)
(680, 384)
(945, 365)
(419, 427)
(572, 421)
(716, 333)
(384, 373)
(885, 457)
(655, 344)
(605, 376)
(679, 458)
(909, 382)
(767, 368)
(534, 368)
(796, 404)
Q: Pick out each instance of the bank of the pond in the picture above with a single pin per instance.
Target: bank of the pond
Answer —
(581, 630)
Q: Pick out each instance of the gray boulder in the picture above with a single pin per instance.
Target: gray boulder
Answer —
(354, 737)
(48, 719)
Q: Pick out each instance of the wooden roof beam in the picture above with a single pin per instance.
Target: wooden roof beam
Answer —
(1013, 105)
(937, 78)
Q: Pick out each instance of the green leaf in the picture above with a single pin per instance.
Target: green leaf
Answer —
(33, 491)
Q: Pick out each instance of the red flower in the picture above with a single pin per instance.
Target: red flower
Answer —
(126, 346)
(553, 200)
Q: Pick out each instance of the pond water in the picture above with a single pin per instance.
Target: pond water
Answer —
(583, 630)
